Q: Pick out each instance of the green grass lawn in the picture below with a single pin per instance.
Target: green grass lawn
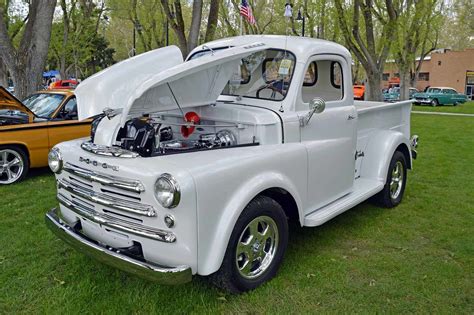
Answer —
(466, 108)
(418, 257)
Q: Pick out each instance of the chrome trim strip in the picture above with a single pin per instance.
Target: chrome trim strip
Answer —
(113, 257)
(117, 224)
(106, 200)
(104, 179)
(108, 151)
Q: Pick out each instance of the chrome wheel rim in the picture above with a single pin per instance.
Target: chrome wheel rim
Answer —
(256, 247)
(396, 183)
(11, 166)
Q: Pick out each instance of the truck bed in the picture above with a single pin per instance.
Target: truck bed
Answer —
(367, 106)
(380, 115)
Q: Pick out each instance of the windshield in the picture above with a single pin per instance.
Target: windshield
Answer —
(264, 75)
(43, 104)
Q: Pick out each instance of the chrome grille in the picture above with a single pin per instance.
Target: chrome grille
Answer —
(120, 225)
(110, 201)
(106, 200)
(104, 179)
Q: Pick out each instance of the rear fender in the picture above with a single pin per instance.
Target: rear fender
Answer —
(379, 152)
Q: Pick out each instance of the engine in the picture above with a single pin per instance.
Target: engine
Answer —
(12, 117)
(149, 136)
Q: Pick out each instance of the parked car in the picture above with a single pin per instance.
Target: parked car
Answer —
(435, 96)
(63, 85)
(11, 89)
(29, 129)
(196, 167)
(393, 95)
(359, 92)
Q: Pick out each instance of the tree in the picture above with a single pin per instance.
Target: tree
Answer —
(458, 25)
(3, 74)
(379, 26)
(174, 14)
(26, 63)
(77, 48)
(417, 24)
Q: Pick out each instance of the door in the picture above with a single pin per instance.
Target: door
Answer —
(65, 125)
(329, 137)
(470, 92)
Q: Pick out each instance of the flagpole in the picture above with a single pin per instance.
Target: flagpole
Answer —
(241, 24)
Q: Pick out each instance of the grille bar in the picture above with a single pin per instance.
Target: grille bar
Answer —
(104, 179)
(117, 224)
(108, 201)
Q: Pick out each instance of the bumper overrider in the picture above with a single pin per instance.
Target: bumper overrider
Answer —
(115, 257)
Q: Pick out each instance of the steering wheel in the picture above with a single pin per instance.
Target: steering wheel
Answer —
(272, 86)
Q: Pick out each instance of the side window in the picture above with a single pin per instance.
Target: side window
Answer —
(69, 110)
(311, 75)
(324, 79)
(336, 75)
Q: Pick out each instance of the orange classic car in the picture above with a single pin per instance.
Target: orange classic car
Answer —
(29, 129)
(359, 92)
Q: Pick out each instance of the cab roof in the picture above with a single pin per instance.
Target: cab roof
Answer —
(301, 47)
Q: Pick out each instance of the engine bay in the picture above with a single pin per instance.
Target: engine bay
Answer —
(161, 134)
(12, 117)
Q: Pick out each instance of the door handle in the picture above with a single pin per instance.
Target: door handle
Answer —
(351, 117)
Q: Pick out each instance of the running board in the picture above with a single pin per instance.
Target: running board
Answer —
(363, 189)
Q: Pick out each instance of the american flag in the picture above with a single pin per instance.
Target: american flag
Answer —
(246, 11)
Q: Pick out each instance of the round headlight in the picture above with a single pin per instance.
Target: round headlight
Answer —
(167, 191)
(55, 160)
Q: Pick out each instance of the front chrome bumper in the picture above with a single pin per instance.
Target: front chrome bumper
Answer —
(113, 257)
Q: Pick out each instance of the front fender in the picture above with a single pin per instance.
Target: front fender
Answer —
(227, 180)
(379, 151)
(211, 261)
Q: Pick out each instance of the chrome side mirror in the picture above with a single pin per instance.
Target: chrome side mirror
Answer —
(316, 106)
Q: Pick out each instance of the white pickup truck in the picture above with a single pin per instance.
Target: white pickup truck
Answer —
(194, 167)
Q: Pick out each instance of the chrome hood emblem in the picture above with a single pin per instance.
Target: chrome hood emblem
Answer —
(98, 163)
(107, 151)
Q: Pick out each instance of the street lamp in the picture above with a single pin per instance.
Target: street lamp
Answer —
(136, 27)
(167, 28)
(301, 18)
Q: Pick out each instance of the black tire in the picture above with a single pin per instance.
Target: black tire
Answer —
(11, 152)
(455, 104)
(228, 277)
(386, 198)
(434, 102)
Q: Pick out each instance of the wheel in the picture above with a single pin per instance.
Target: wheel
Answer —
(455, 104)
(256, 247)
(14, 165)
(434, 102)
(392, 193)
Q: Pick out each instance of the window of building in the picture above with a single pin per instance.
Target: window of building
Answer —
(424, 76)
(385, 76)
(396, 75)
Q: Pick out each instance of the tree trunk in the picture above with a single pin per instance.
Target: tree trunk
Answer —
(373, 91)
(404, 84)
(195, 25)
(212, 20)
(3, 74)
(26, 64)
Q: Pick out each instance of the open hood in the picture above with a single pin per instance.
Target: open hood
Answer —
(112, 87)
(167, 86)
(8, 101)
